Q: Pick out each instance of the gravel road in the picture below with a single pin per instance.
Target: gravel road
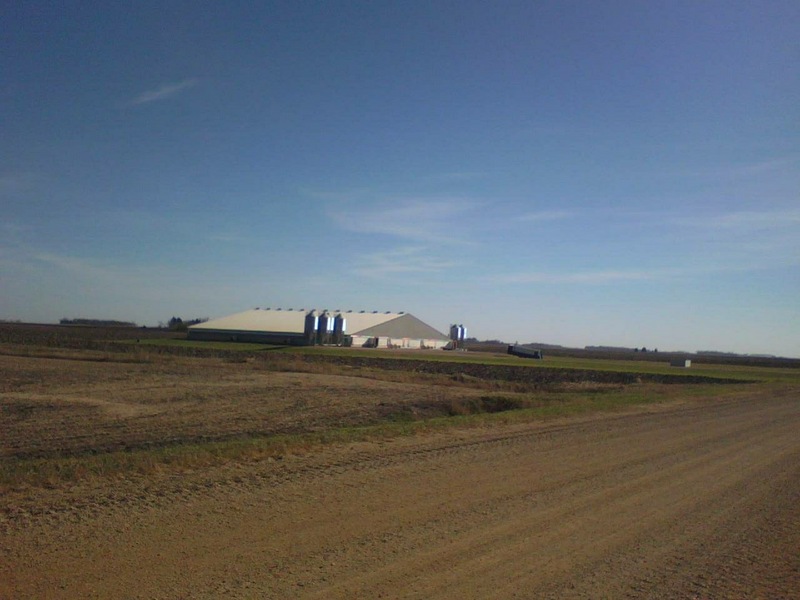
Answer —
(689, 501)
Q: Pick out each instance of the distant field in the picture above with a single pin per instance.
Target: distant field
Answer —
(140, 447)
(160, 341)
(82, 402)
(564, 362)
(333, 354)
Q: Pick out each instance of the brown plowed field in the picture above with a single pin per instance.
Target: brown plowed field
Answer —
(79, 404)
(685, 500)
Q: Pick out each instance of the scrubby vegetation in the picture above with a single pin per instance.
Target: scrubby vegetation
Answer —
(80, 402)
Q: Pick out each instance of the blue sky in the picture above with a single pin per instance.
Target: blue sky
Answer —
(583, 173)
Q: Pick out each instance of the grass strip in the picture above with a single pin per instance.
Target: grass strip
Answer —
(21, 473)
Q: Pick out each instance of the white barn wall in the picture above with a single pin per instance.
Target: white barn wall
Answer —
(392, 330)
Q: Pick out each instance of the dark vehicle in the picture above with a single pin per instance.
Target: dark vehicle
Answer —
(523, 352)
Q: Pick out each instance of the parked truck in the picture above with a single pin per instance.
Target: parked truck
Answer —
(523, 352)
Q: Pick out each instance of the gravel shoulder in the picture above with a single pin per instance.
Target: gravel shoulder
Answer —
(688, 500)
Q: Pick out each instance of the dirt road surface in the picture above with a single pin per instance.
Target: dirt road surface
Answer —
(690, 501)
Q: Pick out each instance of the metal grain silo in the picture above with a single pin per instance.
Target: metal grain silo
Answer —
(324, 326)
(310, 326)
(339, 327)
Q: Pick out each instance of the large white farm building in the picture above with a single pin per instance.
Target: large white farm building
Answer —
(303, 327)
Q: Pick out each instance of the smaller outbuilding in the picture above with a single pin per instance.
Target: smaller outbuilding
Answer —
(680, 362)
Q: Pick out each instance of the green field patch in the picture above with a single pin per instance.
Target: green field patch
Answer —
(645, 367)
(727, 372)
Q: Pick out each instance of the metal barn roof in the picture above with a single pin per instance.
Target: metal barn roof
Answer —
(391, 324)
(402, 326)
(284, 321)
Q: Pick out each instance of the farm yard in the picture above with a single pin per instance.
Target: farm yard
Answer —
(134, 464)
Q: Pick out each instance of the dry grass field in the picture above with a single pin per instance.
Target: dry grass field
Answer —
(132, 470)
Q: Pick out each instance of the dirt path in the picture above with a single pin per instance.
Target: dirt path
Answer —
(689, 502)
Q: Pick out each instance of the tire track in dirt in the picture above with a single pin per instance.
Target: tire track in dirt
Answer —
(694, 501)
(426, 452)
(494, 548)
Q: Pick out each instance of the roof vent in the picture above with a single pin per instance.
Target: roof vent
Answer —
(362, 311)
(278, 308)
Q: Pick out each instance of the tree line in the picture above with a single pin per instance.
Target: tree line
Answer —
(178, 324)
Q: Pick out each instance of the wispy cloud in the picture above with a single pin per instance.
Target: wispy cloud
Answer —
(545, 215)
(769, 165)
(336, 196)
(164, 92)
(47, 285)
(749, 169)
(11, 230)
(14, 183)
(98, 273)
(79, 267)
(459, 176)
(702, 269)
(404, 260)
(766, 238)
(584, 277)
(751, 220)
(430, 220)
